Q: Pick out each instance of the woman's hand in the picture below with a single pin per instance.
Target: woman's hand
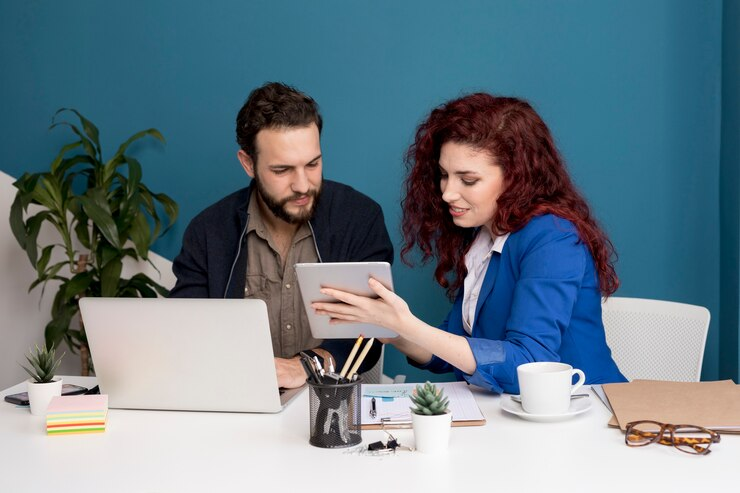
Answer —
(389, 310)
(416, 339)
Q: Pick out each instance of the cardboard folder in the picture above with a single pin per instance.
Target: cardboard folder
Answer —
(713, 405)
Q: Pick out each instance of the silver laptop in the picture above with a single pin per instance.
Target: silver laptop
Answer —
(184, 354)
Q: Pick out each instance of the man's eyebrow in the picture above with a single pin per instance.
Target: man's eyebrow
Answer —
(314, 159)
(273, 166)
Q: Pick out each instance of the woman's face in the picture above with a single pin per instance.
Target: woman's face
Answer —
(471, 183)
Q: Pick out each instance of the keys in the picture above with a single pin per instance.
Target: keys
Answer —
(390, 447)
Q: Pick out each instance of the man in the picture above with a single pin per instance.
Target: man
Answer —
(246, 244)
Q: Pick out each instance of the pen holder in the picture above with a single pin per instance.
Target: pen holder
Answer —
(335, 414)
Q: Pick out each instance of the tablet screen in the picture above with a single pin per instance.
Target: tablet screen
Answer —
(347, 276)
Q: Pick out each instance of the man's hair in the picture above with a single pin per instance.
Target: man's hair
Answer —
(274, 105)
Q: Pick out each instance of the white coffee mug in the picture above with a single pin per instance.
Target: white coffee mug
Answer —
(546, 387)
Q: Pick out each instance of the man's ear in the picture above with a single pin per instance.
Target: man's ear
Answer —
(247, 162)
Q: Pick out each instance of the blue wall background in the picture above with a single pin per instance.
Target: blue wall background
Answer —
(632, 91)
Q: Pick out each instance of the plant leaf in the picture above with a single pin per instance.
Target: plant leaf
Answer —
(60, 157)
(17, 226)
(59, 324)
(91, 131)
(44, 260)
(170, 206)
(34, 226)
(96, 206)
(82, 230)
(151, 131)
(65, 164)
(110, 276)
(76, 286)
(134, 175)
(106, 254)
(139, 234)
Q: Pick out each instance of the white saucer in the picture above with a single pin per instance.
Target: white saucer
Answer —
(577, 406)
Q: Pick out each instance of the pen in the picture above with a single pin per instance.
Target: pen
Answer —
(318, 366)
(308, 367)
(373, 409)
(343, 373)
(360, 358)
(309, 370)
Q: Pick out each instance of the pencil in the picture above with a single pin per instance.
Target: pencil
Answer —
(351, 355)
(361, 358)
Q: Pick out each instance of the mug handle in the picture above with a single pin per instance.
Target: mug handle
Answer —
(580, 382)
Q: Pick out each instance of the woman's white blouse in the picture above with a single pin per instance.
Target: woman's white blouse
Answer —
(476, 262)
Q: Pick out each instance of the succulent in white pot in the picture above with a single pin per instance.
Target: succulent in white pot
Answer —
(431, 418)
(42, 385)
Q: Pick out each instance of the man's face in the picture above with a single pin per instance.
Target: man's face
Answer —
(287, 172)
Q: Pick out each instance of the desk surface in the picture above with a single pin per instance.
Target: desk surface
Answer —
(160, 451)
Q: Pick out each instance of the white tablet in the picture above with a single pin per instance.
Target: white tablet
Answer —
(347, 276)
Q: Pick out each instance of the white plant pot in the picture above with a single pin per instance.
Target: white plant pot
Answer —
(40, 394)
(432, 433)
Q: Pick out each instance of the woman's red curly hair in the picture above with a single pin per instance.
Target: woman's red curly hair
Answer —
(536, 182)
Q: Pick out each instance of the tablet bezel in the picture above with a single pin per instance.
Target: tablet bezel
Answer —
(347, 276)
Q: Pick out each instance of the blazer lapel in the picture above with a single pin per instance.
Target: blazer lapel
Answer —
(488, 282)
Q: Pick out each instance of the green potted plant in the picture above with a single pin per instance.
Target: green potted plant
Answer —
(42, 385)
(430, 418)
(102, 213)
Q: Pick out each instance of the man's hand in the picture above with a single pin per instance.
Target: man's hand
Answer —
(290, 373)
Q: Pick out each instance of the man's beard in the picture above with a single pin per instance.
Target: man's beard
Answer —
(277, 207)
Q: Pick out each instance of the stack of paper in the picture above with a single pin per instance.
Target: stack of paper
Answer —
(68, 414)
(714, 405)
(393, 405)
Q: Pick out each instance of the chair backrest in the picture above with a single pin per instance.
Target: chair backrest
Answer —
(375, 374)
(656, 340)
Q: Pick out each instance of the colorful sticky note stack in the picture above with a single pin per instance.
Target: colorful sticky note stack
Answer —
(68, 414)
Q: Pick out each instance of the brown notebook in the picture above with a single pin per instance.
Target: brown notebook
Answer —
(714, 405)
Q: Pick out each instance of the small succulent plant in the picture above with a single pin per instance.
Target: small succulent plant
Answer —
(43, 364)
(429, 400)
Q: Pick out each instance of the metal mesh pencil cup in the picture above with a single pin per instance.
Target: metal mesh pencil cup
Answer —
(335, 414)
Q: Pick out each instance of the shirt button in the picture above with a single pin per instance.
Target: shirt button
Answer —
(287, 286)
(246, 290)
(288, 326)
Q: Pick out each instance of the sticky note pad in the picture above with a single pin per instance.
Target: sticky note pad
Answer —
(69, 414)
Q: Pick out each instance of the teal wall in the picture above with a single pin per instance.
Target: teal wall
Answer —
(729, 191)
(632, 91)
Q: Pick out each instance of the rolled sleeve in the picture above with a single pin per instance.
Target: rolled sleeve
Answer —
(487, 353)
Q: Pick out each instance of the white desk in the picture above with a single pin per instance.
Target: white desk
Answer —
(157, 451)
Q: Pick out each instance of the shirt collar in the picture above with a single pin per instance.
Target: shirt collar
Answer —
(257, 223)
(498, 243)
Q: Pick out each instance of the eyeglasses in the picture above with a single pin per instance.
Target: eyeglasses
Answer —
(686, 438)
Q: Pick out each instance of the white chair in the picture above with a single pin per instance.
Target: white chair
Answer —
(656, 340)
(376, 375)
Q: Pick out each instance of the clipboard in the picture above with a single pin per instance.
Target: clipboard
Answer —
(393, 405)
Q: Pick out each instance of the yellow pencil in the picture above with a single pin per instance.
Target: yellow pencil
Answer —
(351, 355)
(361, 358)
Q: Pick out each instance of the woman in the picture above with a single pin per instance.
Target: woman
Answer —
(488, 196)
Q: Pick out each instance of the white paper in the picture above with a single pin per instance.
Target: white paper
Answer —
(393, 402)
